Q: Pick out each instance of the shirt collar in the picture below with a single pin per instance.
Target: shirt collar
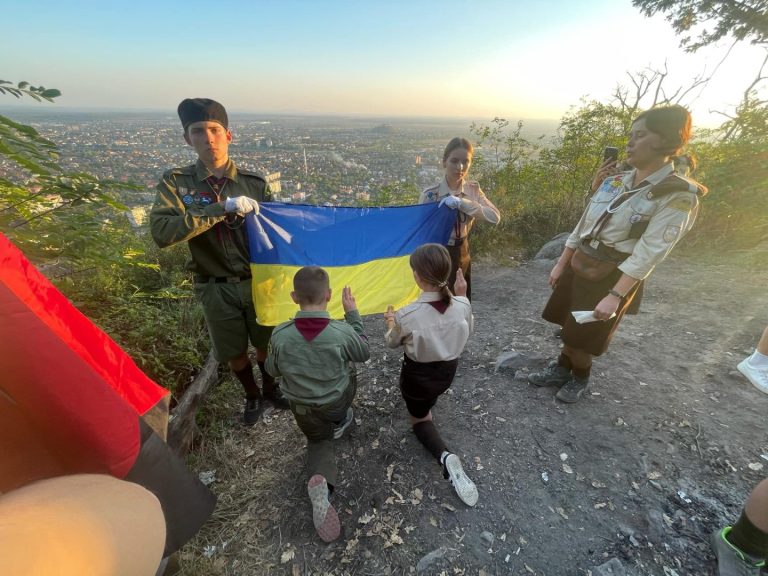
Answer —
(313, 314)
(429, 297)
(202, 172)
(652, 179)
(444, 190)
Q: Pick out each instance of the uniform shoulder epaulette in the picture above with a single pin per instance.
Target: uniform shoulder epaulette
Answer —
(283, 326)
(675, 183)
(258, 175)
(464, 302)
(409, 309)
(185, 170)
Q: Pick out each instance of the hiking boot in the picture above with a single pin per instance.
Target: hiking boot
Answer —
(454, 473)
(341, 427)
(324, 515)
(253, 409)
(552, 375)
(758, 376)
(572, 390)
(730, 560)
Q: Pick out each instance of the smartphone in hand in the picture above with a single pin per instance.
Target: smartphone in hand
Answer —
(610, 153)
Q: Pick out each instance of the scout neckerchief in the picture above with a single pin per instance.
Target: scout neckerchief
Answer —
(617, 202)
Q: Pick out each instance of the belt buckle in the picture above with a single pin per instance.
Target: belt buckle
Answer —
(594, 243)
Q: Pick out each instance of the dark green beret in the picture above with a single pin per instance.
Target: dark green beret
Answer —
(193, 110)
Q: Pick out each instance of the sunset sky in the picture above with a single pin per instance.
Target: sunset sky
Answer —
(397, 58)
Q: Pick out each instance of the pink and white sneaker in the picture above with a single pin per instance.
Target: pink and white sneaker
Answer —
(324, 515)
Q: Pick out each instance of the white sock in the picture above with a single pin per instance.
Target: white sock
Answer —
(443, 456)
(758, 360)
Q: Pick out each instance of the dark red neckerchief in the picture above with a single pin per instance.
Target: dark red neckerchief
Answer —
(311, 327)
(439, 305)
(216, 184)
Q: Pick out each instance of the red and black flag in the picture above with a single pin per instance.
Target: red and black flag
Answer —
(73, 402)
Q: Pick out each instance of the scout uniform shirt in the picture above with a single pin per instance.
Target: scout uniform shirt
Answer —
(474, 204)
(187, 207)
(645, 227)
(312, 354)
(429, 335)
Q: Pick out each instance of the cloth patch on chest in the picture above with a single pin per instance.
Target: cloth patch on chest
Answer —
(309, 328)
(204, 198)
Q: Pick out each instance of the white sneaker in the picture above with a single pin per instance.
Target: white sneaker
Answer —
(758, 376)
(342, 426)
(464, 487)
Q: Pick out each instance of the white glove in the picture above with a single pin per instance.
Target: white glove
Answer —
(241, 205)
(451, 201)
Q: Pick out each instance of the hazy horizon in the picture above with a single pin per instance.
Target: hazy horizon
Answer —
(400, 59)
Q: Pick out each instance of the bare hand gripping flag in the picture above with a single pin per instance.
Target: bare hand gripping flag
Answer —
(364, 248)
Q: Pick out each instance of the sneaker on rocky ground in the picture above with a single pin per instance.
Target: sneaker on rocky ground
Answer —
(342, 426)
(572, 390)
(324, 515)
(758, 376)
(552, 375)
(253, 409)
(730, 560)
(465, 488)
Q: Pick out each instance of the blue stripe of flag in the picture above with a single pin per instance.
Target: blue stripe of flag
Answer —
(302, 235)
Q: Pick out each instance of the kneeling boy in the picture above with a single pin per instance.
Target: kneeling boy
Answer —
(313, 354)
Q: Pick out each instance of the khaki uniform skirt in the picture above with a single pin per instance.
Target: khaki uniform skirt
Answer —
(573, 293)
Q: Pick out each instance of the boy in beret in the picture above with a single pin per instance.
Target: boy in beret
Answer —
(204, 204)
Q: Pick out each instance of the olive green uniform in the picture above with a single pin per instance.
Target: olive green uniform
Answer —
(189, 208)
(319, 379)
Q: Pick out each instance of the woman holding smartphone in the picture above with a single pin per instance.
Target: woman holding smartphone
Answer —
(466, 197)
(631, 223)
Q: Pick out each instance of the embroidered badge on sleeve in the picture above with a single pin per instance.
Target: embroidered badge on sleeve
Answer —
(671, 233)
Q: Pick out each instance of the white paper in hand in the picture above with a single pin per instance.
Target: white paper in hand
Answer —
(584, 316)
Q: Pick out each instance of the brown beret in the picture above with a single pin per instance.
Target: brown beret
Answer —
(193, 110)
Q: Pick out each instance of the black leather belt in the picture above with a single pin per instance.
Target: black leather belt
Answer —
(600, 251)
(220, 279)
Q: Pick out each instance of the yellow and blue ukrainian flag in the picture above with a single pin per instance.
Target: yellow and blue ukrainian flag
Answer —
(364, 248)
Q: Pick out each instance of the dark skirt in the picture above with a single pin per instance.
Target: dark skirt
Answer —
(575, 293)
(460, 259)
(422, 383)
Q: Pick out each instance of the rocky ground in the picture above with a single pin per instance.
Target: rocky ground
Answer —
(663, 449)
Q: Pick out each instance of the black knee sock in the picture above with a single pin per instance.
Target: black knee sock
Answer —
(564, 361)
(749, 538)
(267, 382)
(582, 372)
(430, 438)
(245, 375)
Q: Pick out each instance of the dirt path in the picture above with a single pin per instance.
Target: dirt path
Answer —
(640, 471)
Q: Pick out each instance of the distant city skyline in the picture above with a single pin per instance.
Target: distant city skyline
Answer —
(477, 60)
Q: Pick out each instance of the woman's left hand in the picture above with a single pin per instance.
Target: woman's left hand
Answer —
(606, 307)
